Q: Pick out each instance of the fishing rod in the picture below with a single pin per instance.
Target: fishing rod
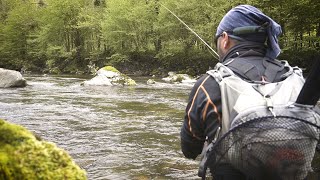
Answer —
(215, 54)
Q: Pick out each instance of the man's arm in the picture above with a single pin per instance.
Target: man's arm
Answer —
(202, 116)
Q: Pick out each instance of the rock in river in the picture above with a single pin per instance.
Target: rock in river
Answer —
(108, 76)
(23, 156)
(179, 78)
(11, 78)
(151, 81)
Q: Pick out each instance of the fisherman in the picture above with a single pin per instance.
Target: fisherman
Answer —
(247, 43)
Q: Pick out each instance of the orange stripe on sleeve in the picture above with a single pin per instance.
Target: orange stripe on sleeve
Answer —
(207, 105)
(192, 104)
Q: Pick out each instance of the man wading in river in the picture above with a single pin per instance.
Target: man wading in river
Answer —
(247, 43)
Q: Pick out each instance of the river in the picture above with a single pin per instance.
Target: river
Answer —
(111, 132)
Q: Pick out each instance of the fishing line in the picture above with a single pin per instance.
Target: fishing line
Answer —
(215, 54)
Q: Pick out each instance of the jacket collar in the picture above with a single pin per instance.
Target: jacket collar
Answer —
(244, 49)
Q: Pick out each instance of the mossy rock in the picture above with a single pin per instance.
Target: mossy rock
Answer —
(179, 78)
(130, 82)
(23, 156)
(110, 68)
(120, 78)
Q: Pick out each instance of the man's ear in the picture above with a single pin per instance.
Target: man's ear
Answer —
(225, 40)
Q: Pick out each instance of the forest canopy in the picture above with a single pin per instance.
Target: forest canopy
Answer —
(74, 36)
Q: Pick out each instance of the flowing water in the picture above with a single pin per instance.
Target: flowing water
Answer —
(111, 132)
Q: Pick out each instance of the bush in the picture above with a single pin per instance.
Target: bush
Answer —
(303, 58)
(193, 62)
(117, 59)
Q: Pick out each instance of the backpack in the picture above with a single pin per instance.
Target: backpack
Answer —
(263, 132)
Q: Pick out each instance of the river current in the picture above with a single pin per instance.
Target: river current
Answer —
(111, 132)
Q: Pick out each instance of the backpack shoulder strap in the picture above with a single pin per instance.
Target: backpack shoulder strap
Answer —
(272, 68)
(243, 69)
(249, 72)
(219, 72)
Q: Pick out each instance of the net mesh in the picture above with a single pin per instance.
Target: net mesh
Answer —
(269, 147)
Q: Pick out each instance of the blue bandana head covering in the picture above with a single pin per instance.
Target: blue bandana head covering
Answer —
(246, 15)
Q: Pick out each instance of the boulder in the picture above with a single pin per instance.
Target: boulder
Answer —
(24, 156)
(178, 78)
(151, 81)
(11, 78)
(109, 76)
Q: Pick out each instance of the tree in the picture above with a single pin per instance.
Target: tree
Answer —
(67, 35)
(129, 25)
(60, 38)
(18, 26)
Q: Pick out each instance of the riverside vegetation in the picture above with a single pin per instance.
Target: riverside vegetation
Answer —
(74, 36)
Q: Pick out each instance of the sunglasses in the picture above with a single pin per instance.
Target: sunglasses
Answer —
(215, 39)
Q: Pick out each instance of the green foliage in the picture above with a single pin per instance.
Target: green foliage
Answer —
(117, 59)
(132, 35)
(58, 59)
(23, 156)
(18, 24)
(193, 61)
(129, 25)
(303, 58)
(200, 19)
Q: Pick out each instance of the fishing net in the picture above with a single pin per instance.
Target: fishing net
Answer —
(268, 147)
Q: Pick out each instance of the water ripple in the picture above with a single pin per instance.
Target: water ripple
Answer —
(111, 132)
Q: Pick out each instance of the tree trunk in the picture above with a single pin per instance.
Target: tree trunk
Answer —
(295, 41)
(67, 41)
(158, 44)
(318, 35)
(78, 42)
(301, 39)
(309, 40)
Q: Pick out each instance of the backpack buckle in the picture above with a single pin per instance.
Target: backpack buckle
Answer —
(269, 104)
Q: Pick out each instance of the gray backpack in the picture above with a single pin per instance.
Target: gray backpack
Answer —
(264, 133)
